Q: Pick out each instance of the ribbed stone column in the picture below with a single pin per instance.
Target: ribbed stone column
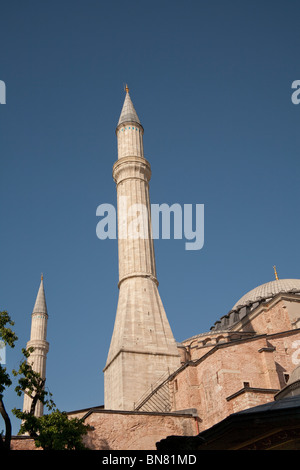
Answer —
(142, 348)
(38, 336)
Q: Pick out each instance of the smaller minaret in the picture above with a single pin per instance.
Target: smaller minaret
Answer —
(38, 335)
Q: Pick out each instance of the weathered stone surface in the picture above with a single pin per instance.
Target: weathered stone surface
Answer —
(23, 443)
(142, 347)
(135, 431)
(38, 340)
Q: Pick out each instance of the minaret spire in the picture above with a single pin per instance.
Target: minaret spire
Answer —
(128, 113)
(142, 347)
(40, 305)
(38, 335)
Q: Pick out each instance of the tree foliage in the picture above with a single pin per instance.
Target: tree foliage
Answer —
(53, 431)
(6, 333)
(31, 383)
(8, 337)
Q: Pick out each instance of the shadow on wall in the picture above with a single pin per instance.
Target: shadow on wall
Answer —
(99, 444)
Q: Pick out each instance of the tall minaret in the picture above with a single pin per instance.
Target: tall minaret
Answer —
(38, 335)
(142, 347)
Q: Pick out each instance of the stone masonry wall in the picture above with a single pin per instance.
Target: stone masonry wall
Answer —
(117, 430)
(260, 364)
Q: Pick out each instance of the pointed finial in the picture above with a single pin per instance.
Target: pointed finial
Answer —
(126, 88)
(276, 275)
(42, 276)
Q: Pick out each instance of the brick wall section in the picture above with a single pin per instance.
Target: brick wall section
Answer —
(220, 367)
(271, 320)
(261, 362)
(248, 399)
(113, 430)
(23, 443)
(117, 430)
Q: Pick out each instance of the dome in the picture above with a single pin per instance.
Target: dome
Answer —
(295, 375)
(270, 289)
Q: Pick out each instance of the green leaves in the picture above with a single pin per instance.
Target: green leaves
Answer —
(54, 431)
(8, 337)
(6, 334)
(58, 432)
(4, 380)
(32, 384)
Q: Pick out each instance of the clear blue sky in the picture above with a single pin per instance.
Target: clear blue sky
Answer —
(211, 83)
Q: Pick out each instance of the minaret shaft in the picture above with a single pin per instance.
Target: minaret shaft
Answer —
(135, 243)
(142, 347)
(38, 340)
(130, 141)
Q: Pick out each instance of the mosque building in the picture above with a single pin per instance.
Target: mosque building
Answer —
(156, 387)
